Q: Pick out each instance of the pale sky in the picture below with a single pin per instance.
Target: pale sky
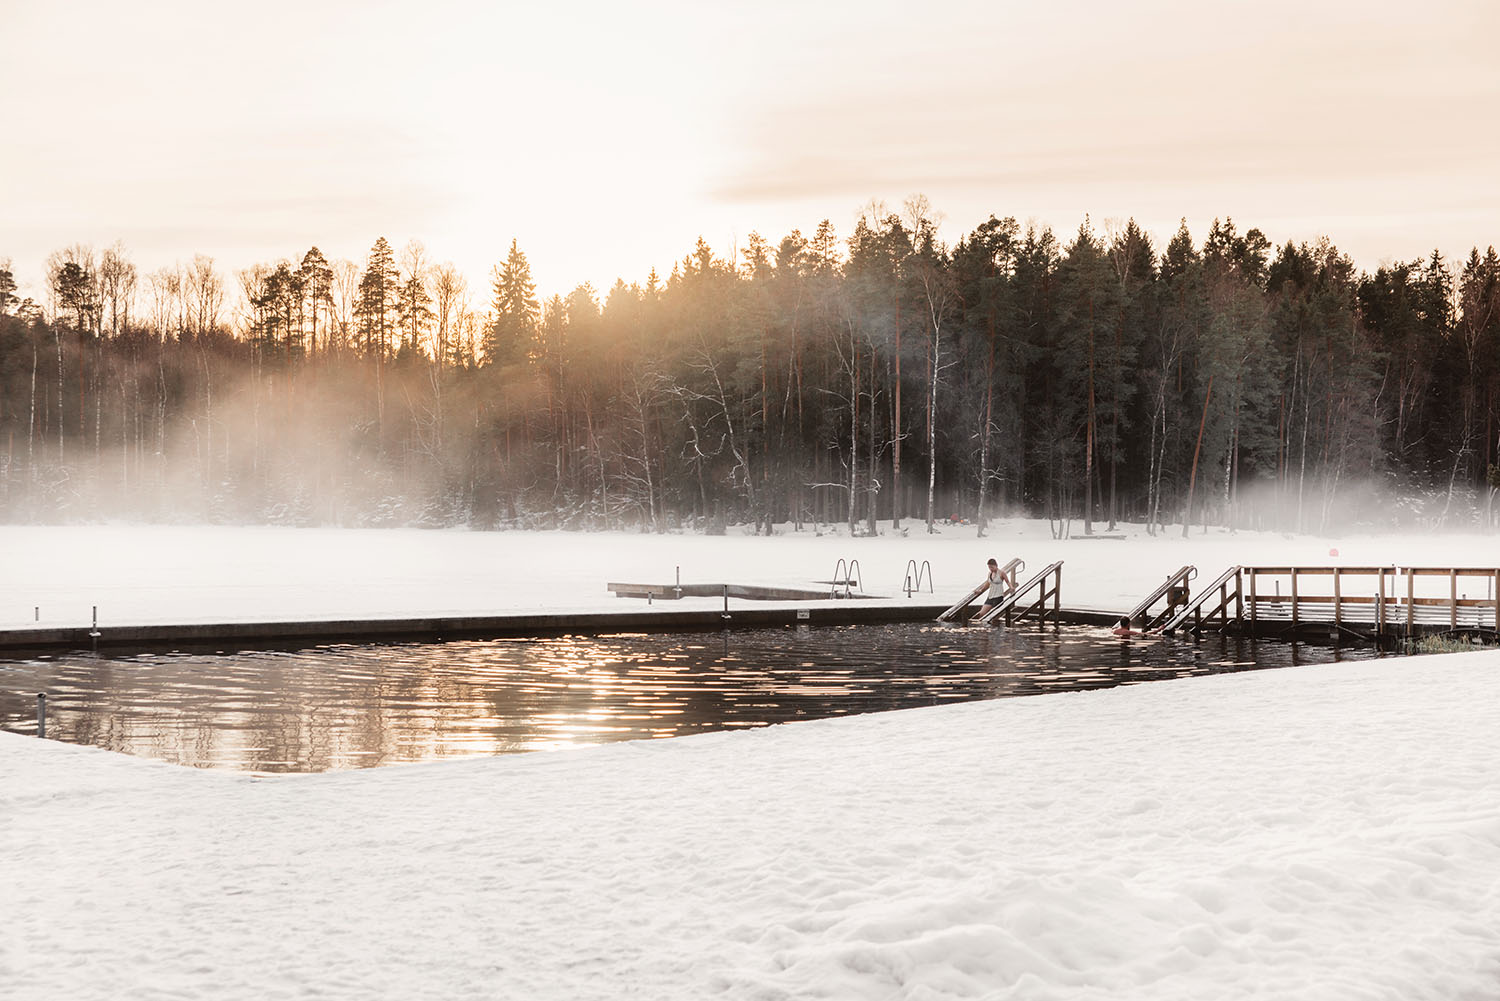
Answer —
(606, 137)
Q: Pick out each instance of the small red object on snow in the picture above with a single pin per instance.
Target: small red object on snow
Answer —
(1333, 552)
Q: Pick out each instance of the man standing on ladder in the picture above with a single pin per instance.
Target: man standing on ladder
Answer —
(1000, 586)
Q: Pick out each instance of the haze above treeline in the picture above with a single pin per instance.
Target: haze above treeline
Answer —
(816, 378)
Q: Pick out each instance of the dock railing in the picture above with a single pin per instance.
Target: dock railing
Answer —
(1363, 600)
(1390, 599)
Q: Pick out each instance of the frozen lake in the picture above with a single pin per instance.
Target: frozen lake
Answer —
(346, 706)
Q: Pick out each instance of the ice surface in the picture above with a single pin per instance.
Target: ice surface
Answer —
(152, 574)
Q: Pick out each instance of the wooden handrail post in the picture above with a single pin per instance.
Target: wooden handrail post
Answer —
(1411, 605)
(1294, 600)
(1452, 599)
(1254, 613)
(1337, 618)
(1239, 599)
(1380, 604)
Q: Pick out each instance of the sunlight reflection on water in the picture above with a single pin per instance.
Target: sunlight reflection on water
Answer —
(347, 706)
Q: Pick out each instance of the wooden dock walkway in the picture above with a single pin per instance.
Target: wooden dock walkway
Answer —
(1363, 601)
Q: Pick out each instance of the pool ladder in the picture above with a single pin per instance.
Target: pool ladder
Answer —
(845, 574)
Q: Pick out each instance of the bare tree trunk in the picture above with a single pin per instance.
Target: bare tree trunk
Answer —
(896, 428)
(872, 491)
(57, 336)
(853, 426)
(1187, 514)
(1088, 449)
(31, 422)
(980, 516)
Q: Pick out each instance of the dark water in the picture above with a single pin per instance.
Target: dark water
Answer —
(347, 706)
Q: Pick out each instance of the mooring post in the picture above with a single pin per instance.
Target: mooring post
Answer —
(37, 611)
(41, 714)
(726, 602)
(679, 583)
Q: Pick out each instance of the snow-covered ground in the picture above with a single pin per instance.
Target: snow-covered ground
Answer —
(54, 576)
(1327, 832)
(1323, 832)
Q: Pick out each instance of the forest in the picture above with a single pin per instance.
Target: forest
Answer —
(884, 381)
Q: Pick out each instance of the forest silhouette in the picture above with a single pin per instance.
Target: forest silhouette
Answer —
(810, 381)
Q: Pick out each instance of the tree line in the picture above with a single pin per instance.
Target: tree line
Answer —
(882, 376)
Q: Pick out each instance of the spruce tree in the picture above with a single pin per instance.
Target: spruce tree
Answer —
(7, 290)
(416, 314)
(378, 288)
(316, 278)
(512, 335)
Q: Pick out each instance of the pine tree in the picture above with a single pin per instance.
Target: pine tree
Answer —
(73, 284)
(316, 278)
(7, 289)
(512, 335)
(378, 295)
(416, 312)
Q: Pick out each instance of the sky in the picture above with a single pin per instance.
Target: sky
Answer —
(606, 138)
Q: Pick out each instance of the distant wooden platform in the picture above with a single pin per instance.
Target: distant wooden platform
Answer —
(671, 592)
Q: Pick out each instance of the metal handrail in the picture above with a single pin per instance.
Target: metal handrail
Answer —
(914, 576)
(846, 574)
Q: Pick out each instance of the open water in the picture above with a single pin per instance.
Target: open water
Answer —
(354, 706)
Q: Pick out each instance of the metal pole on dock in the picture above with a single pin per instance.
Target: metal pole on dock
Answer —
(41, 714)
(726, 601)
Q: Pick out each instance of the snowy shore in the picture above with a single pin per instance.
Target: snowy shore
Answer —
(1315, 832)
(1320, 832)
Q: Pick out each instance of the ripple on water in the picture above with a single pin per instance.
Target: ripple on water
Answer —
(351, 706)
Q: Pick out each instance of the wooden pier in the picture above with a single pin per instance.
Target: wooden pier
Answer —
(1362, 602)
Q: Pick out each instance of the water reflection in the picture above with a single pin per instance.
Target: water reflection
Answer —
(344, 706)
